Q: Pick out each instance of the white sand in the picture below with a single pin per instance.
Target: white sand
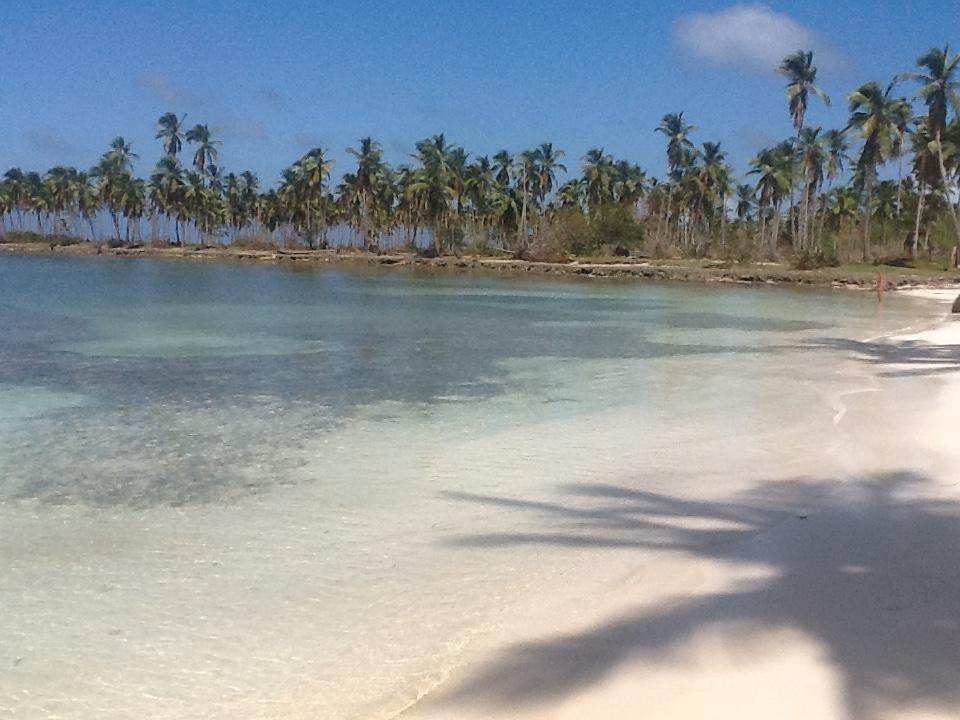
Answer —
(846, 605)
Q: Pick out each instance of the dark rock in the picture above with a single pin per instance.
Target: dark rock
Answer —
(956, 305)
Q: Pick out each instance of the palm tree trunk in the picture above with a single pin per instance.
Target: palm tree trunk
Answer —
(916, 226)
(522, 240)
(866, 215)
(775, 237)
(946, 194)
(899, 184)
(666, 214)
(763, 227)
(723, 221)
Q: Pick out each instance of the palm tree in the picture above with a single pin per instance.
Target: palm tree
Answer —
(548, 163)
(875, 115)
(812, 156)
(801, 74)
(170, 131)
(369, 157)
(715, 178)
(925, 170)
(503, 165)
(527, 176)
(432, 187)
(772, 166)
(132, 204)
(885, 206)
(843, 210)
(206, 152)
(15, 180)
(121, 155)
(679, 148)
(940, 89)
(746, 201)
(166, 190)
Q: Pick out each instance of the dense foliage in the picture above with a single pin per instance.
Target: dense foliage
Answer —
(817, 196)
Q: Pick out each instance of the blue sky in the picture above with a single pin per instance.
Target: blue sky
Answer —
(276, 79)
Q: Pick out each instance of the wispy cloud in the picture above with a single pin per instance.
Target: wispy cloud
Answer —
(160, 86)
(238, 128)
(303, 141)
(752, 139)
(272, 96)
(753, 38)
(48, 141)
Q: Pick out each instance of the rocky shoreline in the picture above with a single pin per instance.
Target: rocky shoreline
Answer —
(626, 268)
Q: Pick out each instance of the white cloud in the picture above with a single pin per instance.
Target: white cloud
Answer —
(754, 38)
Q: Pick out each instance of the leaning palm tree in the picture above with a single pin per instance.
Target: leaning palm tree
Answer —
(170, 131)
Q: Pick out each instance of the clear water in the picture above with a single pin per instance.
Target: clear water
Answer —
(239, 492)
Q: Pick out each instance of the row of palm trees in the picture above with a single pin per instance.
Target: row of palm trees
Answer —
(817, 193)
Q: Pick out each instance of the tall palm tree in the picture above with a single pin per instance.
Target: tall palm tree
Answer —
(925, 170)
(875, 116)
(679, 146)
(801, 75)
(170, 131)
(940, 89)
(548, 163)
(206, 152)
(526, 172)
(369, 157)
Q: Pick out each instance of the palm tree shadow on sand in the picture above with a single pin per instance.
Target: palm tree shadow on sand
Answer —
(870, 571)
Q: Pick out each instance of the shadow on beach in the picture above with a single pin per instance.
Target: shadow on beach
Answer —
(867, 569)
(907, 357)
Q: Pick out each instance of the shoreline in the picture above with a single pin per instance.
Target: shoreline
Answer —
(670, 270)
(870, 627)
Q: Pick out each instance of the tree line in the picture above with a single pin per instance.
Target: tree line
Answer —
(817, 196)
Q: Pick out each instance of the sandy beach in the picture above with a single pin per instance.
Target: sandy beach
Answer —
(831, 594)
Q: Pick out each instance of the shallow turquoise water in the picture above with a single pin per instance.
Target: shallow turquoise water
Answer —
(233, 491)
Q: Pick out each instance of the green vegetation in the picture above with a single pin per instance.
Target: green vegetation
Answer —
(816, 199)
